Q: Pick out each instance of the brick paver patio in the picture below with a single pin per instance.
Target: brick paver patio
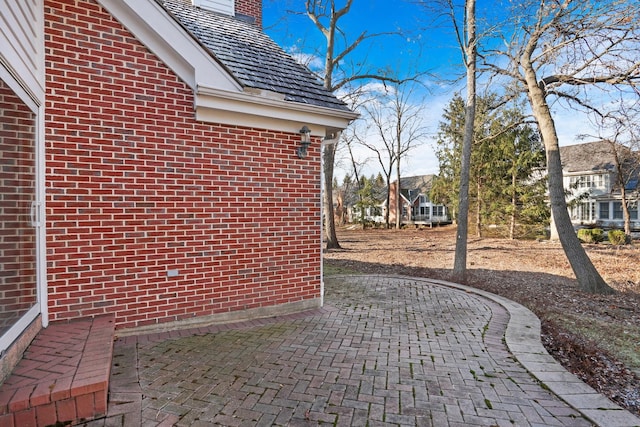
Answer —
(382, 352)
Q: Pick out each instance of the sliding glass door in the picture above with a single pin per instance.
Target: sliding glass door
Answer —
(20, 211)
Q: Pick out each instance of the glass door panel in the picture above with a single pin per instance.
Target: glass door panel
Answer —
(18, 246)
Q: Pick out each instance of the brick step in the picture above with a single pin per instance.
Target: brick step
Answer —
(63, 376)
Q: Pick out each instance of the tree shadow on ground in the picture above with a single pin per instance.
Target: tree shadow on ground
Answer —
(553, 298)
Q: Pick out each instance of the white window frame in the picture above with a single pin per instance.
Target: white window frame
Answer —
(40, 307)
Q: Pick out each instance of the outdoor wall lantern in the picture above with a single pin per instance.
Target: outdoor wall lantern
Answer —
(305, 141)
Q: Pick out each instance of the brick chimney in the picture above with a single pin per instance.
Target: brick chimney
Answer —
(247, 10)
(251, 9)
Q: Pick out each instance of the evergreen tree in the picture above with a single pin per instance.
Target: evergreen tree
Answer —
(506, 155)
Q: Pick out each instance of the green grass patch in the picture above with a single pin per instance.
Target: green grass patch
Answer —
(620, 340)
(335, 270)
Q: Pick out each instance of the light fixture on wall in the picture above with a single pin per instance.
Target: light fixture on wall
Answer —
(305, 141)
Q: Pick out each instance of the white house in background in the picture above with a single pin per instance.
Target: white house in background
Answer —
(590, 180)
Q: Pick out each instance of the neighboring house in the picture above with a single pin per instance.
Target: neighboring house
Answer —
(590, 180)
(415, 206)
(370, 214)
(151, 165)
(366, 206)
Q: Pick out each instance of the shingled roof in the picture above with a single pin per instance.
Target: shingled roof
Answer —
(591, 156)
(251, 56)
(416, 185)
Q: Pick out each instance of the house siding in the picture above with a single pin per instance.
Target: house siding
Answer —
(151, 215)
(21, 41)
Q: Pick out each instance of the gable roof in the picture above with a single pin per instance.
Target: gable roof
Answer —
(588, 157)
(415, 185)
(251, 56)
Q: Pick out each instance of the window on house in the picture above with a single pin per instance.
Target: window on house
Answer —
(438, 211)
(619, 214)
(587, 181)
(584, 211)
(587, 211)
(617, 210)
(603, 210)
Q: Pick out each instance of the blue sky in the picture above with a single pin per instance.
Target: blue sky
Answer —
(284, 22)
(425, 45)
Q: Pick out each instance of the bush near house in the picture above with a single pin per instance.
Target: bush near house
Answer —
(618, 237)
(590, 235)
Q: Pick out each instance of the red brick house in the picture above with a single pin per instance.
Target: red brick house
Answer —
(151, 167)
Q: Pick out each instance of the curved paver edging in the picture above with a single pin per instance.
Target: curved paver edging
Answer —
(522, 337)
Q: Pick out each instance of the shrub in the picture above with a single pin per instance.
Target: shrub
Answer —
(590, 235)
(617, 237)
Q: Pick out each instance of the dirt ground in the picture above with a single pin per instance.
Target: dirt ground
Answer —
(596, 337)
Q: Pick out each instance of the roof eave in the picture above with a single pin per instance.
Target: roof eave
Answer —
(268, 111)
(587, 172)
(219, 96)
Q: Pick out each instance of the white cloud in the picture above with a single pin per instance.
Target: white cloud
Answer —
(313, 62)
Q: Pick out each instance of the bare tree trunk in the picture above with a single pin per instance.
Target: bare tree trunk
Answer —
(478, 208)
(588, 277)
(329, 155)
(553, 231)
(620, 178)
(397, 201)
(387, 215)
(340, 209)
(470, 50)
(625, 211)
(514, 205)
(357, 178)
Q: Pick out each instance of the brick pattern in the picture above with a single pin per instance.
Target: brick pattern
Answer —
(63, 376)
(251, 8)
(384, 351)
(17, 191)
(155, 217)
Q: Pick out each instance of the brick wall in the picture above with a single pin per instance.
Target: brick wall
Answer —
(251, 8)
(137, 189)
(17, 191)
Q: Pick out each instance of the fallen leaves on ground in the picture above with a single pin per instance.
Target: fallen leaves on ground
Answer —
(537, 275)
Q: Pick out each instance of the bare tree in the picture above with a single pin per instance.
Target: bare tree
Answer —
(620, 128)
(325, 14)
(626, 169)
(382, 144)
(559, 49)
(469, 48)
(349, 137)
(395, 114)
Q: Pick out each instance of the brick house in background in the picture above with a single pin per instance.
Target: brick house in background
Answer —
(150, 166)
